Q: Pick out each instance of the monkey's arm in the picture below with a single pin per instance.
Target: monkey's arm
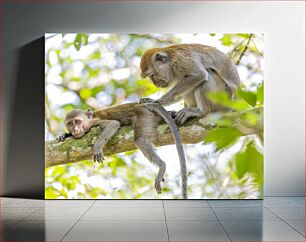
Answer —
(63, 136)
(109, 127)
(186, 85)
(189, 83)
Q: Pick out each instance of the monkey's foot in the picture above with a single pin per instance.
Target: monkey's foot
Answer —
(98, 157)
(158, 187)
(182, 115)
(147, 100)
(172, 113)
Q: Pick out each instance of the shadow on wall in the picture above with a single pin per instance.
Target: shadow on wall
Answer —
(24, 169)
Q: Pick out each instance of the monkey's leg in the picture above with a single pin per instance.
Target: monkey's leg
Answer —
(110, 127)
(197, 104)
(148, 150)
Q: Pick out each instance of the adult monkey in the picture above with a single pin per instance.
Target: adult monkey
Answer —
(193, 70)
(144, 119)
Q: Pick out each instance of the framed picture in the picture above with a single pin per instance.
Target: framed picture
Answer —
(154, 116)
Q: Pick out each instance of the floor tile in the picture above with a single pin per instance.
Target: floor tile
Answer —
(128, 203)
(7, 227)
(244, 214)
(118, 231)
(16, 213)
(300, 200)
(124, 214)
(8, 223)
(70, 203)
(39, 230)
(21, 203)
(235, 203)
(189, 214)
(185, 203)
(196, 231)
(281, 202)
(261, 231)
(298, 225)
(289, 213)
(57, 213)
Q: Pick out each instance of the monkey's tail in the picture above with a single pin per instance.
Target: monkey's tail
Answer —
(162, 112)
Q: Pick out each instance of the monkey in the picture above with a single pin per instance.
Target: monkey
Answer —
(144, 119)
(191, 71)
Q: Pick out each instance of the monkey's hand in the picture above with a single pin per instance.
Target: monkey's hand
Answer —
(62, 137)
(98, 156)
(148, 100)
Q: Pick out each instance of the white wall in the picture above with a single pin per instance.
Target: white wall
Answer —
(281, 22)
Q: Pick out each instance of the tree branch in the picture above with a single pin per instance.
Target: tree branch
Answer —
(74, 150)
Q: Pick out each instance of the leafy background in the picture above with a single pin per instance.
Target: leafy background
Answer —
(99, 70)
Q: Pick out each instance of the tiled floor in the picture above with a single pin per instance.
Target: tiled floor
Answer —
(274, 219)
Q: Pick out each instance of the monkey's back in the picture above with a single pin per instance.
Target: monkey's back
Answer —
(212, 58)
(122, 113)
(190, 56)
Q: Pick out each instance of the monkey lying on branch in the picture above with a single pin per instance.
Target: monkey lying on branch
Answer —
(144, 119)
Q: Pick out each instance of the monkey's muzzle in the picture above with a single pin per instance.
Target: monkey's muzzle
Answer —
(78, 135)
(159, 82)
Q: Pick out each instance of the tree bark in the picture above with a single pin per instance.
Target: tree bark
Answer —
(74, 150)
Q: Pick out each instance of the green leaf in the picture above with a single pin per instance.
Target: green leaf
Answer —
(250, 160)
(226, 40)
(250, 118)
(260, 95)
(85, 93)
(80, 40)
(223, 99)
(246, 36)
(222, 137)
(96, 191)
(247, 96)
(166, 189)
(51, 193)
(68, 107)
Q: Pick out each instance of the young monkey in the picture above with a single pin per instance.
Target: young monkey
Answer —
(144, 119)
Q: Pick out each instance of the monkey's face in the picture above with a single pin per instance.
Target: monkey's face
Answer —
(78, 122)
(77, 127)
(156, 66)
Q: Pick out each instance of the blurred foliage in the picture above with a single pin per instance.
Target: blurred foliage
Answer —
(99, 70)
(243, 127)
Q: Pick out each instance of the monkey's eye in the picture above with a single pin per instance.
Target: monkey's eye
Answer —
(160, 57)
(77, 121)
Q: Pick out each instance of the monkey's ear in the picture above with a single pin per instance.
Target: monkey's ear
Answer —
(89, 113)
(161, 57)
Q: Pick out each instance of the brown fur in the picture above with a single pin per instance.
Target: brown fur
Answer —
(194, 70)
(144, 118)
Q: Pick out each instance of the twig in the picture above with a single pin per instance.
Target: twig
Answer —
(245, 49)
